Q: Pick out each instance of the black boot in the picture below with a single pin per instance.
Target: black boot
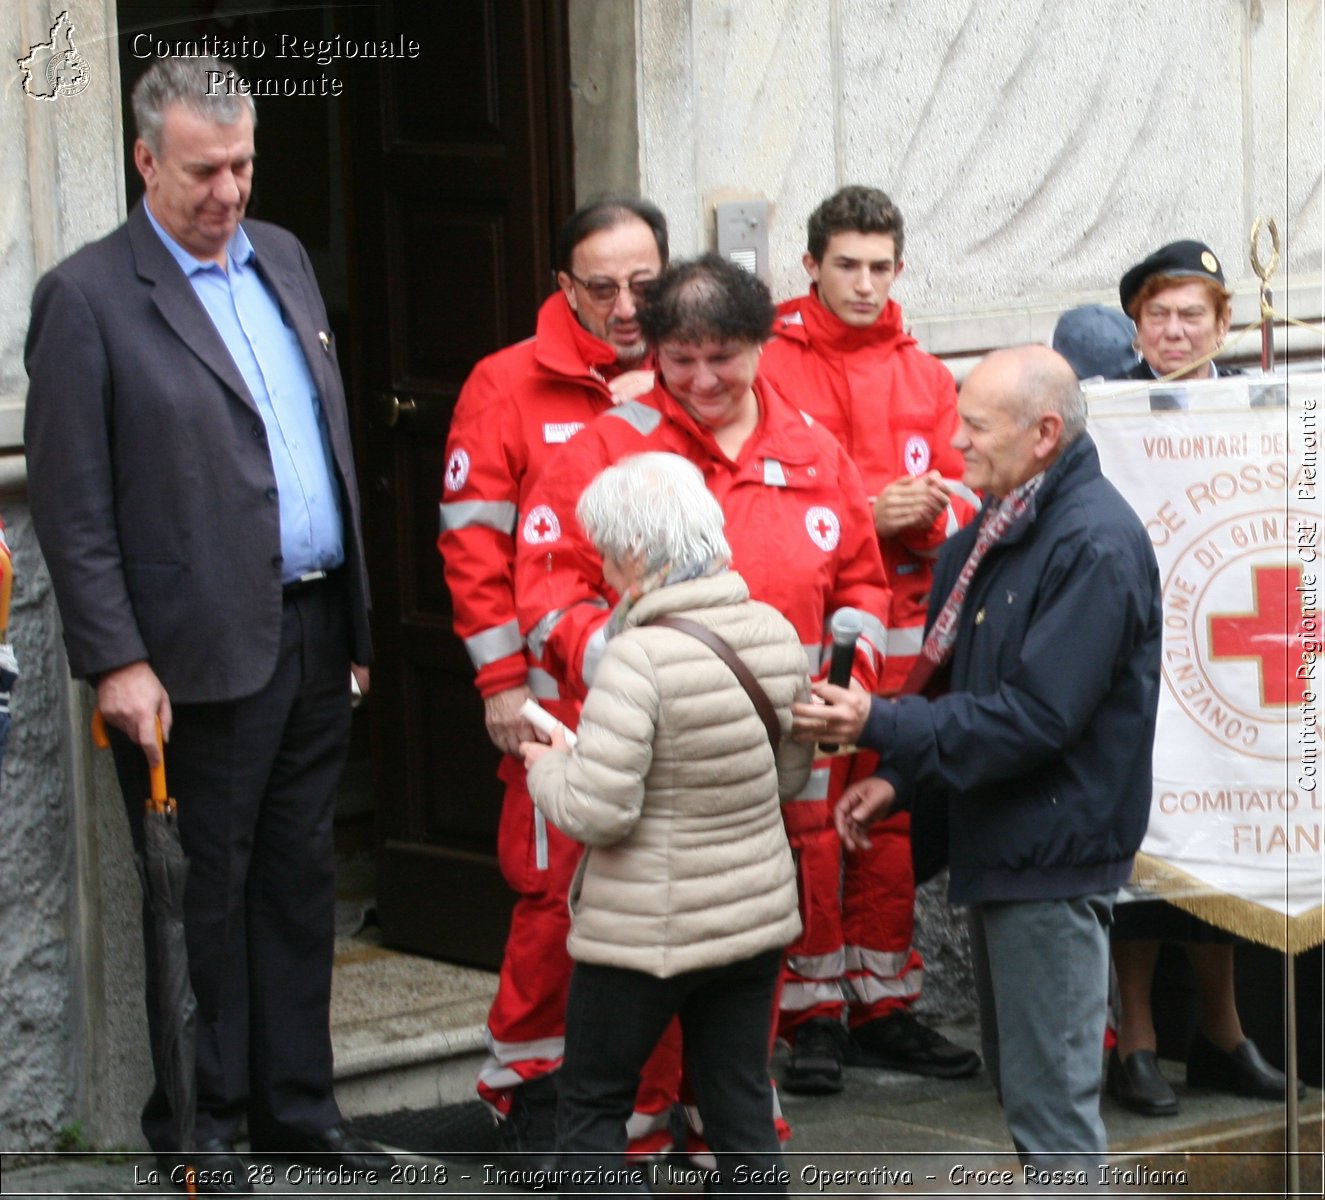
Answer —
(529, 1132)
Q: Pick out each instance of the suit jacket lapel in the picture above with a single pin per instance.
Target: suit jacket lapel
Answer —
(180, 308)
(292, 298)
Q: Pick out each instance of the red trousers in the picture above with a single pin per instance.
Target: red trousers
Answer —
(858, 910)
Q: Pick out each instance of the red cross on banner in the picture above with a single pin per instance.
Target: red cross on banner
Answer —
(1268, 633)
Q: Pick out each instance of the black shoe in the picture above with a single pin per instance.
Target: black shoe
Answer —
(217, 1169)
(815, 1066)
(899, 1042)
(334, 1147)
(529, 1132)
(1242, 1071)
(1136, 1083)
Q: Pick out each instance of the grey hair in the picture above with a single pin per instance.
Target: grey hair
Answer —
(191, 82)
(657, 508)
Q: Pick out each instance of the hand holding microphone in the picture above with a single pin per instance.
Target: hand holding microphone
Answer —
(845, 628)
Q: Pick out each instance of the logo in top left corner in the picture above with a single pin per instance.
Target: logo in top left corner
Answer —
(55, 68)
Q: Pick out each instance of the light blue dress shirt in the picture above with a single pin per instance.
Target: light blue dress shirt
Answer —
(267, 352)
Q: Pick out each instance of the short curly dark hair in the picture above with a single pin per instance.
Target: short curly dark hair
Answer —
(707, 298)
(854, 209)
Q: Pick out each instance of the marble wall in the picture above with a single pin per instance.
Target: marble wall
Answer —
(1036, 149)
(73, 1054)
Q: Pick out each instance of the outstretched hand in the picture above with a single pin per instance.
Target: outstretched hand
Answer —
(865, 801)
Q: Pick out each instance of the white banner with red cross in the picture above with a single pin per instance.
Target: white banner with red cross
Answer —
(1224, 474)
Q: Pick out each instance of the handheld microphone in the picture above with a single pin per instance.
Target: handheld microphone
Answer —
(846, 626)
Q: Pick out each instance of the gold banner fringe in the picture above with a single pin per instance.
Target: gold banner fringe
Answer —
(1291, 935)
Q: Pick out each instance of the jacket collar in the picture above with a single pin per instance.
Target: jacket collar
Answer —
(1077, 464)
(709, 591)
(830, 335)
(565, 347)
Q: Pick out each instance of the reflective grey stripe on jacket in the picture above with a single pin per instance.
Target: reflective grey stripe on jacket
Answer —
(465, 514)
(905, 642)
(536, 638)
(640, 417)
(542, 685)
(492, 645)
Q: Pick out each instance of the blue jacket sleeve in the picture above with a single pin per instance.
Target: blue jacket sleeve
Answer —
(1048, 688)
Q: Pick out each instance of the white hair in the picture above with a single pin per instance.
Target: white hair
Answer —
(655, 507)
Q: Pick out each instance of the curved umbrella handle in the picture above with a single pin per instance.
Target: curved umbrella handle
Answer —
(159, 798)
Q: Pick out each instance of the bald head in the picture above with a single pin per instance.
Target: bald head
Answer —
(1019, 408)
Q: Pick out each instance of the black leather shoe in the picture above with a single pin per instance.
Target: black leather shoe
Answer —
(217, 1169)
(1136, 1083)
(815, 1065)
(334, 1147)
(900, 1042)
(1242, 1071)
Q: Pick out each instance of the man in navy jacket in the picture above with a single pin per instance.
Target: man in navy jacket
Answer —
(1033, 737)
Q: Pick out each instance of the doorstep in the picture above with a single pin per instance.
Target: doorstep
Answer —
(407, 1031)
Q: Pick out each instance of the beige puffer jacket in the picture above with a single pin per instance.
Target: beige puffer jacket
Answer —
(674, 788)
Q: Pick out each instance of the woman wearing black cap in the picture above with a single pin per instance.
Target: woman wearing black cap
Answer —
(1182, 311)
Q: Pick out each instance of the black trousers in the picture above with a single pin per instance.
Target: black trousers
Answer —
(614, 1018)
(255, 782)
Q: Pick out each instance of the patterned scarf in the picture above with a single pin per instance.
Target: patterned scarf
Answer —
(994, 525)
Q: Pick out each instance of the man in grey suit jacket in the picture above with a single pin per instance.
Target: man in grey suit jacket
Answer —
(193, 489)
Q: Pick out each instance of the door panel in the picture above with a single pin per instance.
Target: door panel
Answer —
(460, 172)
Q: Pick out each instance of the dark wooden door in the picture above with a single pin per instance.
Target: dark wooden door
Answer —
(459, 166)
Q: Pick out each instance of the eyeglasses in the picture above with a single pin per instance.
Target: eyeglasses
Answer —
(605, 291)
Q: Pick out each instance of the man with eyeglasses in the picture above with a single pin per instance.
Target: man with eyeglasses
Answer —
(516, 408)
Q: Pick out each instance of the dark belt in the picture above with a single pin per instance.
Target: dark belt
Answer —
(306, 582)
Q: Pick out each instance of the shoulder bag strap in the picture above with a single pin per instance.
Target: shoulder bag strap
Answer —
(758, 697)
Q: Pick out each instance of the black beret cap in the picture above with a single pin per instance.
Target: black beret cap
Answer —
(1180, 259)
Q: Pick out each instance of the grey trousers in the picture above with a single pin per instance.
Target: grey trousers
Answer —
(1042, 981)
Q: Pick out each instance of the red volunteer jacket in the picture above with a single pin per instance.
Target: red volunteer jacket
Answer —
(517, 407)
(894, 409)
(797, 520)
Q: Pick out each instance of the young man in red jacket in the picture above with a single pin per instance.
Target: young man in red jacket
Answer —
(841, 354)
(517, 408)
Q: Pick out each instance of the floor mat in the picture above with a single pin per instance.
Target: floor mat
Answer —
(450, 1130)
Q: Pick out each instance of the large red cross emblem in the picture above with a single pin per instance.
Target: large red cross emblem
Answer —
(1275, 625)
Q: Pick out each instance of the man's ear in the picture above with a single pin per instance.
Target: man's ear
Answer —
(811, 267)
(144, 160)
(567, 286)
(1049, 427)
(901, 266)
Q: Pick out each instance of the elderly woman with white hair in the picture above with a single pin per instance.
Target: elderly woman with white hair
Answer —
(686, 894)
